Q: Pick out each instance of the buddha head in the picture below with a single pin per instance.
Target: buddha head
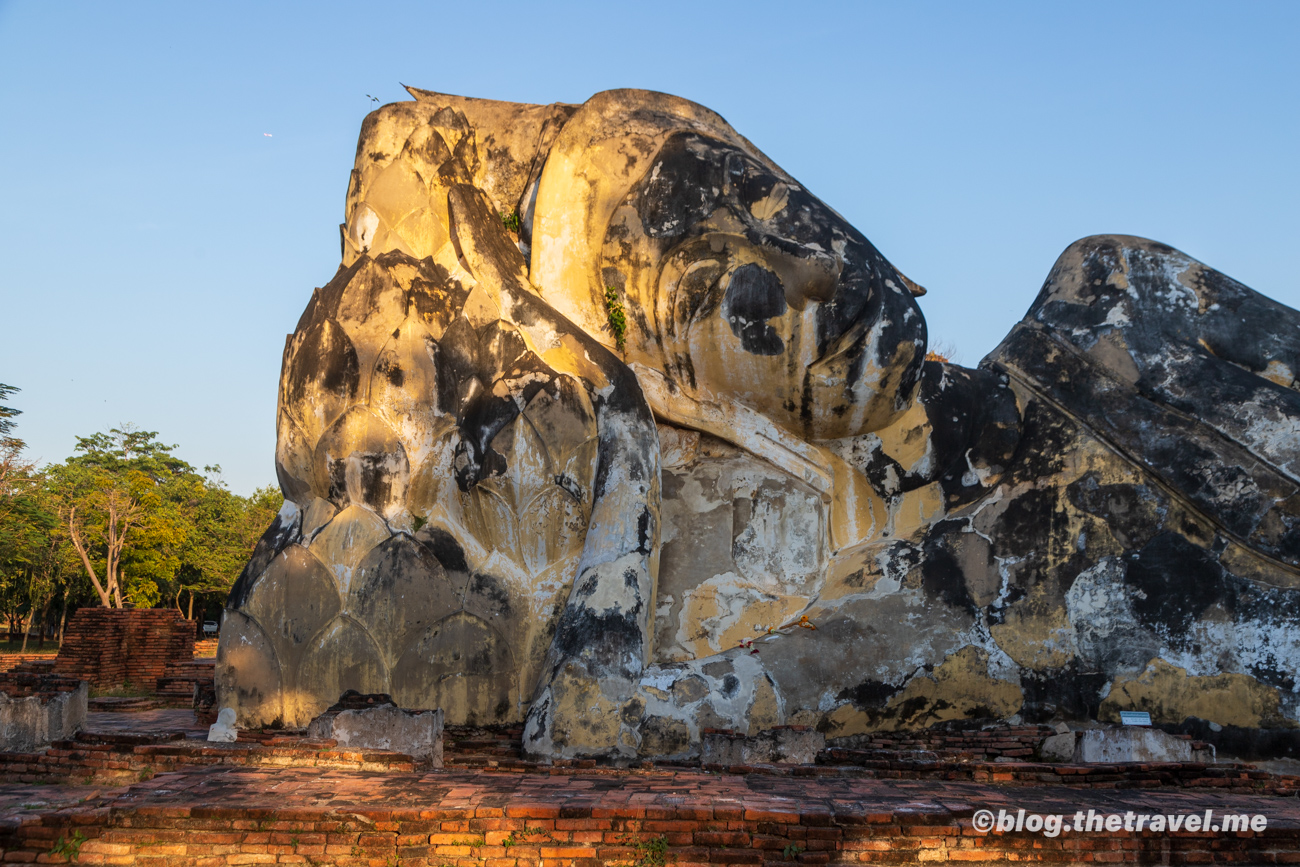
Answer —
(734, 282)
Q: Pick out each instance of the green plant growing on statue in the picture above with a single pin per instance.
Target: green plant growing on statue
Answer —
(653, 853)
(511, 221)
(650, 853)
(69, 847)
(617, 315)
(522, 835)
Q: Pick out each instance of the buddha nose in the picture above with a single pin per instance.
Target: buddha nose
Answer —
(808, 273)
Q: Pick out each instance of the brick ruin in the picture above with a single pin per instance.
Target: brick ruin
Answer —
(109, 647)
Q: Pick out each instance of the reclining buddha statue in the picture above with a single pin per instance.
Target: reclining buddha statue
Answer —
(606, 427)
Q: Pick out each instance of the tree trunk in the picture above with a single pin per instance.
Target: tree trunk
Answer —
(40, 636)
(112, 561)
(63, 618)
(100, 590)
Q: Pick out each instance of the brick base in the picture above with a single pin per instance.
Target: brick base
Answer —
(246, 816)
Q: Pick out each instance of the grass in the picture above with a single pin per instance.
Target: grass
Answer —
(50, 649)
(126, 690)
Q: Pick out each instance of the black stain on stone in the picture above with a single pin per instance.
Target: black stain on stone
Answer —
(1246, 744)
(1271, 671)
(605, 640)
(942, 577)
(492, 590)
(570, 486)
(1175, 582)
(644, 532)
(277, 537)
(869, 694)
(664, 736)
(325, 360)
(754, 295)
(444, 547)
(1065, 693)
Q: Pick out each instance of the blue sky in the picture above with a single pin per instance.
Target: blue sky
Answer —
(156, 246)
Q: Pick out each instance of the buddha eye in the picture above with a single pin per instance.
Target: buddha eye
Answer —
(757, 186)
(733, 172)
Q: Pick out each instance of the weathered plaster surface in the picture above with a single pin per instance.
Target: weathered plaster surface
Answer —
(755, 504)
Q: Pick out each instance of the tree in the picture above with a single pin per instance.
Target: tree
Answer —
(52, 570)
(7, 413)
(19, 513)
(223, 530)
(112, 501)
(25, 523)
(140, 523)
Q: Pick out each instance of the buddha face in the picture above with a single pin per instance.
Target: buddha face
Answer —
(741, 284)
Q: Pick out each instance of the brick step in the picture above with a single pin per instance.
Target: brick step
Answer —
(479, 762)
(10, 661)
(182, 687)
(34, 666)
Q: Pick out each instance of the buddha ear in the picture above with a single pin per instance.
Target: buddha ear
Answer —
(482, 244)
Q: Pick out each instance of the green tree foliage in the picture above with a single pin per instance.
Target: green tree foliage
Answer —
(147, 526)
(124, 521)
(221, 529)
(25, 522)
(7, 413)
(118, 500)
(20, 512)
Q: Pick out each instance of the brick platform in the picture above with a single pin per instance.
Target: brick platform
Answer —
(108, 647)
(948, 741)
(10, 661)
(219, 816)
(20, 684)
(176, 686)
(278, 797)
(38, 665)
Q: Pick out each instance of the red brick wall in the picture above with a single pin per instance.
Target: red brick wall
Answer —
(112, 646)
